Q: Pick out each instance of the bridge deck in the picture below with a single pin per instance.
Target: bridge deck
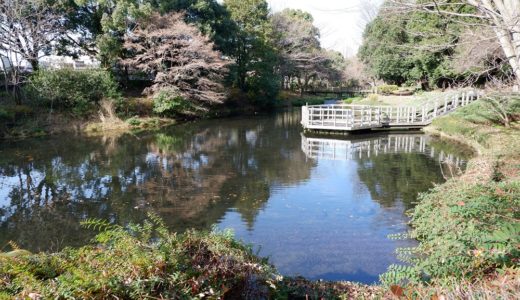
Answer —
(359, 117)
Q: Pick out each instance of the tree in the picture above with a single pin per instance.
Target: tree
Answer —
(301, 57)
(503, 16)
(97, 27)
(417, 46)
(380, 51)
(210, 17)
(28, 28)
(180, 58)
(356, 73)
(253, 51)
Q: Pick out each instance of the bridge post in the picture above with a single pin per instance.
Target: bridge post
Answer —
(435, 109)
(446, 104)
(423, 114)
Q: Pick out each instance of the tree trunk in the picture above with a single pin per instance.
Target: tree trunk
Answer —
(34, 64)
(505, 18)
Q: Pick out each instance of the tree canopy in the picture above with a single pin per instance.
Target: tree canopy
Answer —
(412, 41)
(263, 52)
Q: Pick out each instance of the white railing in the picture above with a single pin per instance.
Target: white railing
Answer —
(334, 149)
(355, 117)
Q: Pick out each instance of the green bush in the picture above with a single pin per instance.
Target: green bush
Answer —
(133, 121)
(387, 89)
(373, 98)
(76, 90)
(351, 100)
(141, 262)
(4, 114)
(169, 102)
(464, 230)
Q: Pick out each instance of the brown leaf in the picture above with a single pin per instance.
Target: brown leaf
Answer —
(397, 290)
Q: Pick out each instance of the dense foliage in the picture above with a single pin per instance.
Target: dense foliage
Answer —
(466, 231)
(254, 53)
(77, 90)
(468, 228)
(137, 262)
(418, 47)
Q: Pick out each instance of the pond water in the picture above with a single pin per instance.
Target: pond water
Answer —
(318, 207)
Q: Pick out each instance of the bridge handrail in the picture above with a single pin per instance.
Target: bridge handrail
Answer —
(355, 116)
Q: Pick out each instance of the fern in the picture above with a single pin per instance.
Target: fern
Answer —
(399, 236)
(99, 225)
(14, 245)
(160, 226)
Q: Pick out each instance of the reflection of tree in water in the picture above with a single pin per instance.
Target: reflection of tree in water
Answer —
(390, 177)
(190, 175)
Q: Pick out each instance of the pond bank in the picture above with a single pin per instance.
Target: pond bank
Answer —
(23, 121)
(468, 227)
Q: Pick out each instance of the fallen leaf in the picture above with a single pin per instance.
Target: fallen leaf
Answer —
(397, 290)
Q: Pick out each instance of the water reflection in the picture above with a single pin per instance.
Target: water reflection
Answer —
(313, 216)
(191, 175)
(392, 166)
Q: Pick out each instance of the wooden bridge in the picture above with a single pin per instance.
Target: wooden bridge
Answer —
(362, 117)
(351, 149)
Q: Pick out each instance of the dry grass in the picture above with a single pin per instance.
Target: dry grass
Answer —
(499, 286)
(415, 100)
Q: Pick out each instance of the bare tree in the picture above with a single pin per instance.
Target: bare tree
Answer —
(356, 73)
(28, 28)
(503, 16)
(179, 58)
(302, 60)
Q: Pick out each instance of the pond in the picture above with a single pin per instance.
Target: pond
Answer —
(317, 207)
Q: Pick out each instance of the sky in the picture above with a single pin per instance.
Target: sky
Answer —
(341, 22)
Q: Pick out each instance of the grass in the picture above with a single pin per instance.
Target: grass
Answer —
(419, 99)
(469, 227)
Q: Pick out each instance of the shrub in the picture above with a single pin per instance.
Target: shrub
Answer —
(133, 121)
(11, 112)
(351, 100)
(4, 114)
(141, 262)
(387, 89)
(169, 102)
(373, 97)
(503, 108)
(465, 231)
(77, 90)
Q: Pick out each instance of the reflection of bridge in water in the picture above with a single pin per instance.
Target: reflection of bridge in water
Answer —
(336, 149)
